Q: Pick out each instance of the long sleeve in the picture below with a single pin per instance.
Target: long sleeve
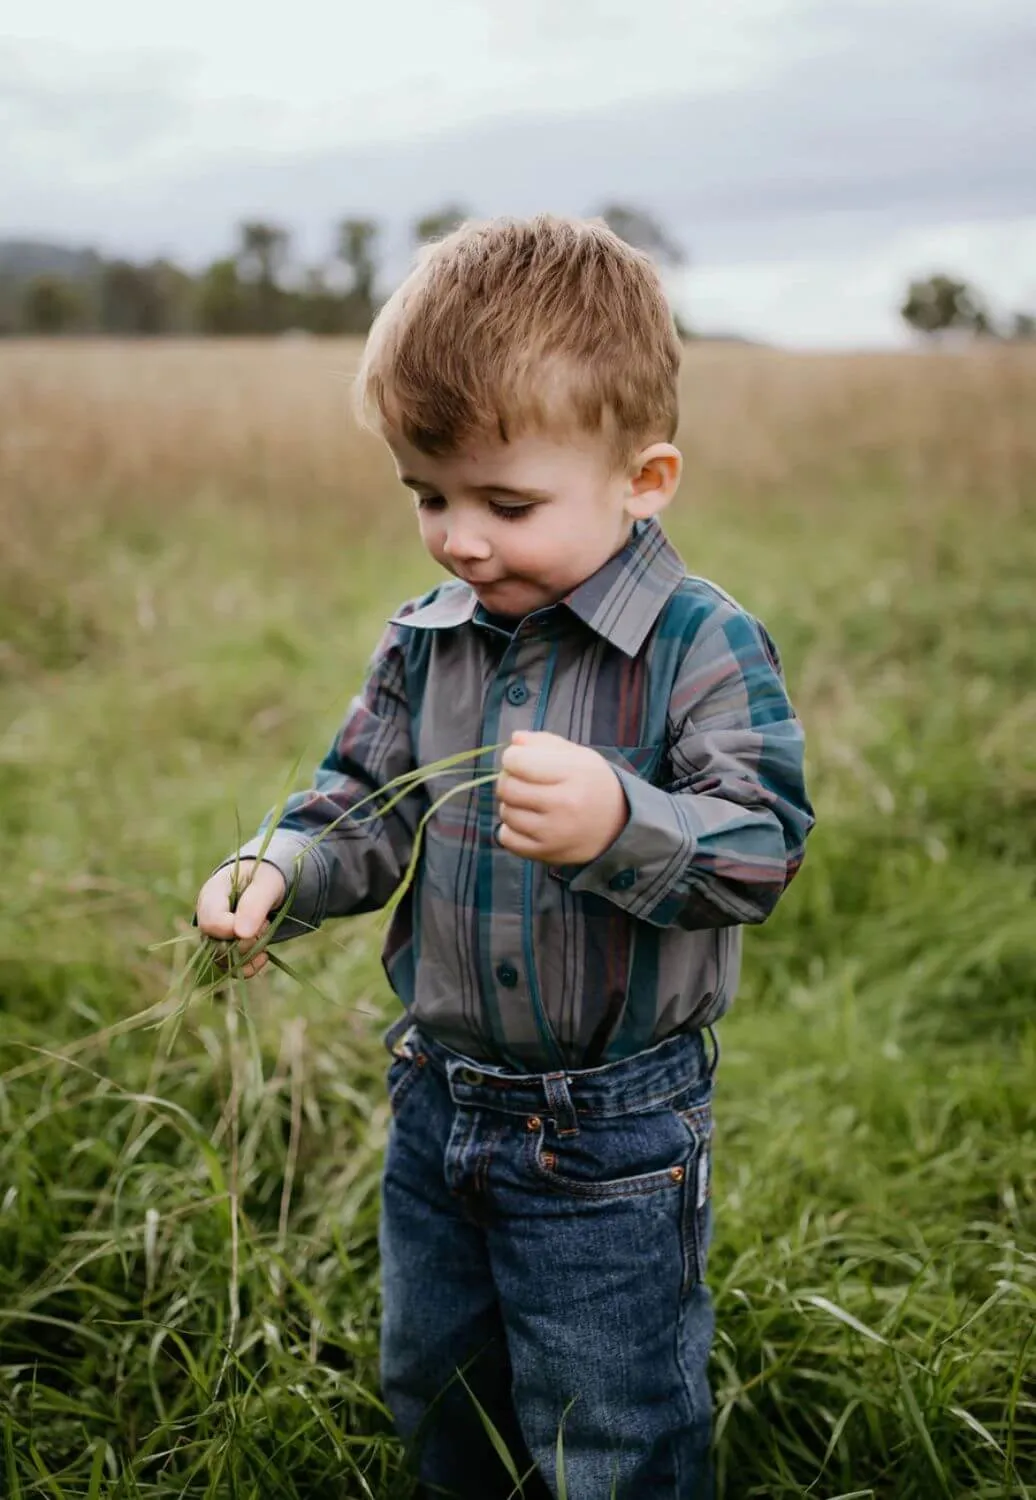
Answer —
(718, 845)
(358, 862)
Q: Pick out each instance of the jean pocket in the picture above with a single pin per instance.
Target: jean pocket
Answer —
(622, 1157)
(403, 1073)
(696, 1119)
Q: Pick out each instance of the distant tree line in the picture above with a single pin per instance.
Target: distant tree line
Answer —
(939, 305)
(261, 289)
(257, 289)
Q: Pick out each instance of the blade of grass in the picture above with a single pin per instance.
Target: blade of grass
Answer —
(401, 786)
(302, 980)
(921, 1427)
(411, 870)
(14, 1488)
(47, 1479)
(492, 1432)
(559, 1454)
(825, 1305)
(277, 812)
(96, 1471)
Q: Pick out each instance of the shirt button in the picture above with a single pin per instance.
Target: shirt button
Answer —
(507, 975)
(517, 692)
(622, 881)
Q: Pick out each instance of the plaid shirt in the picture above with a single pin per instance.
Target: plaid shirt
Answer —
(543, 968)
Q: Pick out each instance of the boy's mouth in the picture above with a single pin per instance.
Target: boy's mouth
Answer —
(480, 583)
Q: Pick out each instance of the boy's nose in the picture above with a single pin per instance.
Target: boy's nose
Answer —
(464, 544)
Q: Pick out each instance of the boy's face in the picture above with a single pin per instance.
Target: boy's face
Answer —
(525, 522)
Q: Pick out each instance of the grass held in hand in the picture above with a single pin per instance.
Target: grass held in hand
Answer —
(224, 956)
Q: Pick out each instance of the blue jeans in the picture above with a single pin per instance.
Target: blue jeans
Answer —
(545, 1235)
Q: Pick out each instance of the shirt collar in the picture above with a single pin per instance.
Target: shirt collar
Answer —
(620, 602)
(452, 604)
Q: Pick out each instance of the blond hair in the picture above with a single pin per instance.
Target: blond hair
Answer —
(509, 325)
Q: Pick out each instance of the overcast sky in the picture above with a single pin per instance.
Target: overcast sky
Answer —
(811, 154)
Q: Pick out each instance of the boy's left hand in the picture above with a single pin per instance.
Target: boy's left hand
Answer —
(559, 802)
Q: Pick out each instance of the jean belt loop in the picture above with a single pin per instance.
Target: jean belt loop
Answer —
(714, 1064)
(400, 1035)
(559, 1103)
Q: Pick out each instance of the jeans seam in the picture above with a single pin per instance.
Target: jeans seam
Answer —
(693, 1212)
(685, 1381)
(405, 1083)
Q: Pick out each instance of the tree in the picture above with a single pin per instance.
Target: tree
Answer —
(132, 299)
(49, 305)
(355, 243)
(644, 232)
(319, 307)
(220, 305)
(262, 252)
(438, 224)
(176, 290)
(940, 304)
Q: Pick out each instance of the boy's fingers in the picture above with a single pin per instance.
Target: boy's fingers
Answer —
(522, 820)
(264, 890)
(518, 843)
(215, 918)
(537, 736)
(541, 762)
(513, 791)
(246, 944)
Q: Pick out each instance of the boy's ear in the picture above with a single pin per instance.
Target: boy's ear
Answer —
(654, 477)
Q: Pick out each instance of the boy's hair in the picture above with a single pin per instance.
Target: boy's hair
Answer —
(544, 323)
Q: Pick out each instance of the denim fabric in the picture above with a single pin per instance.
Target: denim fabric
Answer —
(547, 1235)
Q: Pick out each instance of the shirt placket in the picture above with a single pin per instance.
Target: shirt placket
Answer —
(516, 698)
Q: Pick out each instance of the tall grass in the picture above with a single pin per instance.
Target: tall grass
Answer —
(198, 554)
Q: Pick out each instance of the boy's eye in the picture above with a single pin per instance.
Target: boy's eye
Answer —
(509, 512)
(497, 508)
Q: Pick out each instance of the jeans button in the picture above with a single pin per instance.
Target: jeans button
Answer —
(470, 1076)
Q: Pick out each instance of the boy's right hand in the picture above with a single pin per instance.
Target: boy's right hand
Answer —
(262, 888)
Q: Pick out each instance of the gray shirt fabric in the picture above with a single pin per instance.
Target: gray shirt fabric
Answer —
(508, 959)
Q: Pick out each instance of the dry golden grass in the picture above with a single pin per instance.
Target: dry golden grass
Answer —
(168, 418)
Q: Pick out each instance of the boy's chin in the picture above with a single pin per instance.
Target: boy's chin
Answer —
(513, 597)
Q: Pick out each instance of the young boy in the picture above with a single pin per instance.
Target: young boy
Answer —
(574, 927)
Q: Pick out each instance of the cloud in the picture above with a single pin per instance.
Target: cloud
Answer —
(876, 129)
(852, 299)
(56, 103)
(860, 126)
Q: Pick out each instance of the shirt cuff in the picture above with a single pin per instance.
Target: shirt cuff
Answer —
(296, 857)
(639, 869)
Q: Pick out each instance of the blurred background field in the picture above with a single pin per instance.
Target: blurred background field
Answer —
(198, 552)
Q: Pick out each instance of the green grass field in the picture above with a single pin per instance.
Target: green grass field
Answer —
(198, 555)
